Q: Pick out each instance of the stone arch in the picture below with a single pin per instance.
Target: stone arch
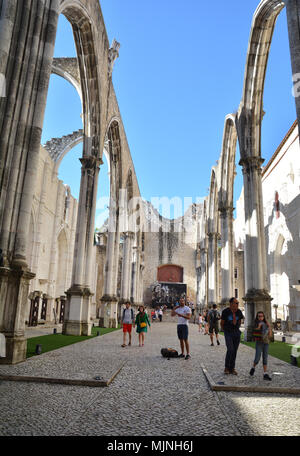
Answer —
(212, 222)
(248, 124)
(250, 112)
(280, 281)
(68, 69)
(83, 24)
(62, 263)
(225, 206)
(227, 163)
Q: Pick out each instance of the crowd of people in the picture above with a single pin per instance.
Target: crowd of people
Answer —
(230, 321)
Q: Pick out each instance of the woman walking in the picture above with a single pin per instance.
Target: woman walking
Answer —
(200, 321)
(141, 322)
(262, 333)
(205, 315)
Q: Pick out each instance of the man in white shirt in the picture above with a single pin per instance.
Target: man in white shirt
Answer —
(183, 313)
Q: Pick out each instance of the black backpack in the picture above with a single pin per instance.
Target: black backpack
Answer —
(169, 353)
(214, 317)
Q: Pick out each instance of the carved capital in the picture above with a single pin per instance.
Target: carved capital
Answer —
(90, 162)
(251, 164)
(226, 211)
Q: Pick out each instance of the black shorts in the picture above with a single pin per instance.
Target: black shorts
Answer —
(214, 327)
(183, 332)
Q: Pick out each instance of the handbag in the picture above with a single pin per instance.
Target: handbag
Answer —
(143, 324)
(266, 338)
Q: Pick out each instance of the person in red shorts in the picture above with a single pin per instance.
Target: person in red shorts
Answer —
(127, 321)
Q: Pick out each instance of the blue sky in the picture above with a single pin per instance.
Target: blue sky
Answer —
(180, 72)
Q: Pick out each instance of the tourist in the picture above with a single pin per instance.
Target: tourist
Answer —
(153, 316)
(142, 322)
(127, 321)
(213, 322)
(231, 320)
(262, 333)
(205, 315)
(200, 322)
(183, 313)
(160, 315)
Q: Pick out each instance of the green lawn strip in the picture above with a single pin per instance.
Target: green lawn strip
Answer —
(52, 342)
(280, 350)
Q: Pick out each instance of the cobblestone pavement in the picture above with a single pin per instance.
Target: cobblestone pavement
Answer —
(150, 396)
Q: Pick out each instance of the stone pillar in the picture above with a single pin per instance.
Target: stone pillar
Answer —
(109, 312)
(14, 288)
(203, 279)
(126, 267)
(212, 268)
(257, 296)
(136, 276)
(27, 39)
(227, 254)
(293, 20)
(52, 288)
(77, 320)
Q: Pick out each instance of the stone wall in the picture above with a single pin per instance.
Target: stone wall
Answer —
(164, 244)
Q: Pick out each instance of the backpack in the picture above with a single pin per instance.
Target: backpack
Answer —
(169, 353)
(132, 315)
(214, 316)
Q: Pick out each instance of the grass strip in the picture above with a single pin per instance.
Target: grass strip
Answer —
(52, 342)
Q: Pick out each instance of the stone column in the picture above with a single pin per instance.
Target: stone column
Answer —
(126, 267)
(257, 296)
(110, 300)
(227, 254)
(212, 268)
(54, 249)
(77, 321)
(27, 38)
(293, 20)
(136, 276)
(203, 279)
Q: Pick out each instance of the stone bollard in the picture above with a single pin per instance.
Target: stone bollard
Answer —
(38, 349)
(293, 360)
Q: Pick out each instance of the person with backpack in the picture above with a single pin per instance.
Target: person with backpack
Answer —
(127, 321)
(213, 321)
(262, 333)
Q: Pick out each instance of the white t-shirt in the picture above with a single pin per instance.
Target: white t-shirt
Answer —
(183, 311)
(127, 316)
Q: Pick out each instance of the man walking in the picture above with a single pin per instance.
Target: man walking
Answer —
(127, 321)
(231, 320)
(183, 313)
(213, 321)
